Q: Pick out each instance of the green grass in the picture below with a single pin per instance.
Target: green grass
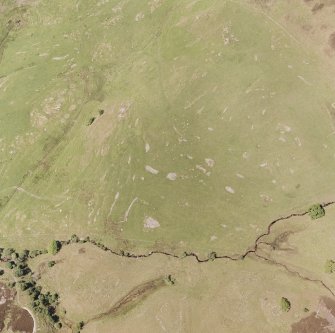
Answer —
(184, 92)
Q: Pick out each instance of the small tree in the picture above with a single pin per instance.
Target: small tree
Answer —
(170, 280)
(51, 263)
(10, 264)
(316, 211)
(74, 238)
(8, 252)
(11, 284)
(285, 304)
(58, 325)
(80, 326)
(90, 121)
(54, 247)
(212, 256)
(18, 272)
(34, 253)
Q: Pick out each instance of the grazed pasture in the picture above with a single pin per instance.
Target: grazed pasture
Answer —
(166, 125)
(159, 124)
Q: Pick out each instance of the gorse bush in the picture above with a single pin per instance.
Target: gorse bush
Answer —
(285, 304)
(54, 247)
(316, 211)
(330, 266)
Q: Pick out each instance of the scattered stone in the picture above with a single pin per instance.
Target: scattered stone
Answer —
(151, 170)
(229, 189)
(210, 162)
(171, 176)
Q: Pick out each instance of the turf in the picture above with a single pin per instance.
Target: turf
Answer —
(213, 92)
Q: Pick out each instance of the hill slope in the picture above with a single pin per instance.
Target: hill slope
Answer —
(157, 125)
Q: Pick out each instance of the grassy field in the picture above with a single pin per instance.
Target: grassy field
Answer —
(220, 296)
(293, 244)
(171, 126)
(215, 121)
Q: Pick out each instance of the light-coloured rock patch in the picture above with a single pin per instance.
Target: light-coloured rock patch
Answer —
(229, 189)
(171, 176)
(151, 223)
(210, 162)
(151, 170)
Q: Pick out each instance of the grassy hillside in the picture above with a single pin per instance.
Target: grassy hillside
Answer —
(183, 125)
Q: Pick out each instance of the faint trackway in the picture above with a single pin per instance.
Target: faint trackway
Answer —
(214, 256)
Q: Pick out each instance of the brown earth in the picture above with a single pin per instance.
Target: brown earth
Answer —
(317, 7)
(311, 324)
(21, 320)
(6, 297)
(13, 317)
(320, 321)
(332, 40)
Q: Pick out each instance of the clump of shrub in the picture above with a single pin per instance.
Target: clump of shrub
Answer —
(58, 325)
(35, 253)
(23, 256)
(10, 264)
(51, 263)
(316, 211)
(330, 266)
(285, 304)
(11, 284)
(90, 121)
(43, 303)
(212, 256)
(7, 253)
(80, 326)
(21, 270)
(170, 280)
(74, 239)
